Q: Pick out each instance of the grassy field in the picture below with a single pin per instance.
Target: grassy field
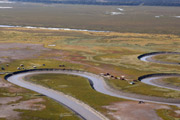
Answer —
(144, 89)
(116, 51)
(53, 111)
(79, 88)
(174, 81)
(168, 114)
(112, 52)
(168, 58)
(29, 63)
(75, 86)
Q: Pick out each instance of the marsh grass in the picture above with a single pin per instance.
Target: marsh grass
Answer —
(166, 114)
(118, 50)
(144, 89)
(168, 58)
(173, 80)
(115, 51)
(53, 111)
(75, 86)
(29, 63)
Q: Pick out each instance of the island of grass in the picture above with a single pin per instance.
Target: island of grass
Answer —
(170, 58)
(80, 88)
(52, 110)
(75, 86)
(175, 81)
(112, 52)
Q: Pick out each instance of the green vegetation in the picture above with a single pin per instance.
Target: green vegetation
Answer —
(2, 119)
(173, 80)
(111, 52)
(168, 58)
(29, 63)
(116, 51)
(144, 89)
(75, 86)
(53, 111)
(3, 92)
(164, 114)
(167, 114)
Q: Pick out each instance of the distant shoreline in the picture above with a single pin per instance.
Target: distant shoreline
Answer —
(49, 28)
(108, 2)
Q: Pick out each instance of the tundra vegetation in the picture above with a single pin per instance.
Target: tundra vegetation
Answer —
(97, 52)
(168, 58)
(112, 52)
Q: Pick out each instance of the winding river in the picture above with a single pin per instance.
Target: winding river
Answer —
(152, 79)
(148, 57)
(97, 82)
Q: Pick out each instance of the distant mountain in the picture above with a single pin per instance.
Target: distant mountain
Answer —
(110, 2)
